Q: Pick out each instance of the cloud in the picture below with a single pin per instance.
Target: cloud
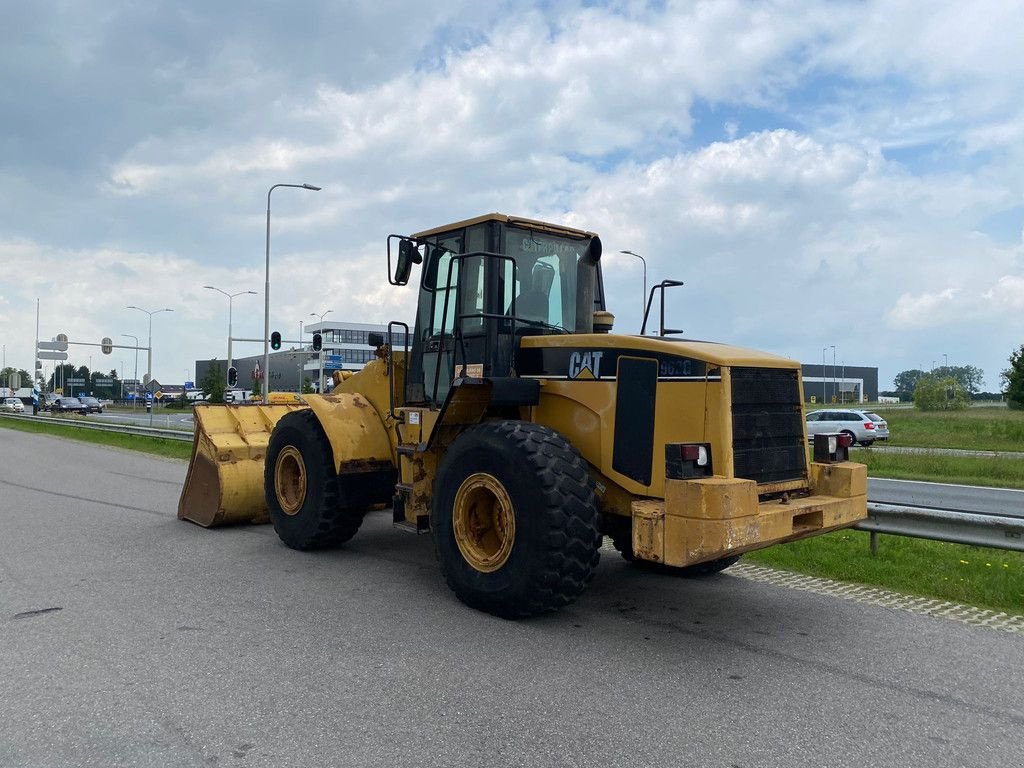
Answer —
(140, 141)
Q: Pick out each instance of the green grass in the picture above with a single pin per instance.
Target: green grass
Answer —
(963, 470)
(982, 428)
(986, 578)
(176, 449)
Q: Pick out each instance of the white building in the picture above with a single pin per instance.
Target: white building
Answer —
(346, 345)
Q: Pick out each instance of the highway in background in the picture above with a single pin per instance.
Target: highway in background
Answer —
(128, 637)
(961, 498)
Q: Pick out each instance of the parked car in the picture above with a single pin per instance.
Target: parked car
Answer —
(46, 400)
(12, 405)
(865, 427)
(92, 404)
(64, 404)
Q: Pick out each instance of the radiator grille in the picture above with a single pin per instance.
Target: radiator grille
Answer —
(767, 430)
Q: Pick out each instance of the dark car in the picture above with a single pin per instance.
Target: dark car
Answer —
(64, 404)
(46, 400)
(92, 404)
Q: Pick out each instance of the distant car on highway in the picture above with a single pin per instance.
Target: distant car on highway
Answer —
(12, 405)
(92, 404)
(65, 404)
(863, 426)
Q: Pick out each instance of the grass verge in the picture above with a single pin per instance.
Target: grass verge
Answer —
(985, 578)
(175, 449)
(962, 470)
(975, 429)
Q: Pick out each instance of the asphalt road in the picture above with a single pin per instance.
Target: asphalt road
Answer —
(128, 637)
(961, 498)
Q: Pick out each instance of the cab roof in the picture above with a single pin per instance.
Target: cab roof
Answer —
(543, 226)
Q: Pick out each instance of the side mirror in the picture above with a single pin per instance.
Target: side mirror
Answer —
(408, 254)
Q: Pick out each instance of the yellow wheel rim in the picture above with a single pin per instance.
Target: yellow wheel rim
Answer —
(484, 522)
(290, 480)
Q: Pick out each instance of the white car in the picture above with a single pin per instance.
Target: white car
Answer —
(12, 405)
(863, 426)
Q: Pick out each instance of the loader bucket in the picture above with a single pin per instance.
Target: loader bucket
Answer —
(224, 485)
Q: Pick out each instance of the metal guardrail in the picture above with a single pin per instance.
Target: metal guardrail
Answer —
(973, 528)
(100, 426)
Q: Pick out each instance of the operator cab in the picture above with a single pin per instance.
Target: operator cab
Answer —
(485, 284)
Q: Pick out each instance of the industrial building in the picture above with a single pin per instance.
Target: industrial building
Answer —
(839, 383)
(345, 347)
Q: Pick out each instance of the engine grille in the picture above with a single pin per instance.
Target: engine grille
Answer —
(767, 430)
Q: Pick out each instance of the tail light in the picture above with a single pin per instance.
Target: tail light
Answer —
(869, 425)
(832, 448)
(687, 461)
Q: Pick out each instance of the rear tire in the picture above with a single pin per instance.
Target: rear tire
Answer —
(853, 437)
(515, 519)
(301, 486)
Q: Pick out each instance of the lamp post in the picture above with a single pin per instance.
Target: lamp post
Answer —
(643, 299)
(135, 389)
(149, 351)
(824, 394)
(231, 298)
(945, 363)
(320, 389)
(833, 369)
(266, 292)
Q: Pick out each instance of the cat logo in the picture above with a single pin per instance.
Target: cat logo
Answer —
(585, 365)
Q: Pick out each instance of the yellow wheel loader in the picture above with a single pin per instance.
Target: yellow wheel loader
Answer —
(516, 428)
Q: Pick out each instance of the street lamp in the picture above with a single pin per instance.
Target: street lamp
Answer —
(320, 389)
(833, 348)
(135, 389)
(149, 352)
(643, 299)
(945, 362)
(266, 292)
(231, 298)
(824, 394)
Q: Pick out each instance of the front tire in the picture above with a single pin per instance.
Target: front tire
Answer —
(301, 486)
(515, 519)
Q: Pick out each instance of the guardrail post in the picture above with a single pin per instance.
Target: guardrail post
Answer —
(874, 542)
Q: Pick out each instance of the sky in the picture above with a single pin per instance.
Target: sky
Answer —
(846, 174)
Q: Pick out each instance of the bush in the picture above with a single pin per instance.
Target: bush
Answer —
(933, 394)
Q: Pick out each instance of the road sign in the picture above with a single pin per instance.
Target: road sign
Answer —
(333, 359)
(15, 380)
(76, 382)
(104, 382)
(62, 338)
(52, 355)
(106, 345)
(61, 346)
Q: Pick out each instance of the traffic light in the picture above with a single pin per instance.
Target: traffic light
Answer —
(275, 340)
(232, 376)
(318, 342)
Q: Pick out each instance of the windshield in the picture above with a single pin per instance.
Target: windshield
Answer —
(546, 268)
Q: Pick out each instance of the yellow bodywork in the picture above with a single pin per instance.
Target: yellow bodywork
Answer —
(675, 522)
(224, 485)
(713, 518)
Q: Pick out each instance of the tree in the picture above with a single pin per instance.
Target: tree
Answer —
(1013, 379)
(7, 377)
(213, 384)
(906, 381)
(934, 394)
